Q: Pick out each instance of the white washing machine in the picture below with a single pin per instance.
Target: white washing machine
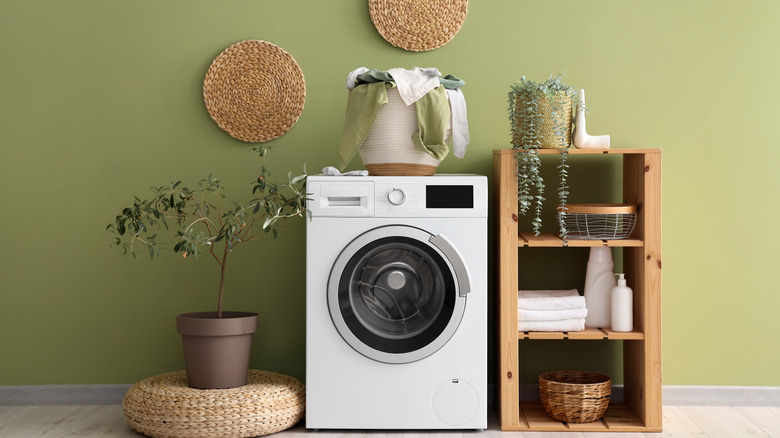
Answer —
(396, 302)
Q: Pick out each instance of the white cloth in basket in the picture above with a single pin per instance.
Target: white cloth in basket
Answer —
(459, 122)
(414, 84)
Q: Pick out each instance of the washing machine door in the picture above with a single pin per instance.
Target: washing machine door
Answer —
(396, 294)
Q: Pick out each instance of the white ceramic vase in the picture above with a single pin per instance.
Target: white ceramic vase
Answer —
(580, 138)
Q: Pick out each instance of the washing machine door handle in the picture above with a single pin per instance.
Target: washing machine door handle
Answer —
(456, 260)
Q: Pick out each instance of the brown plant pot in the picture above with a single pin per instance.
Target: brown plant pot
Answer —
(216, 350)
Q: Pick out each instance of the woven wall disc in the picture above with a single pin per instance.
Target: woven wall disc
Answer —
(254, 90)
(418, 25)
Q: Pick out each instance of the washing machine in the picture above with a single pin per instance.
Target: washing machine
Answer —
(396, 302)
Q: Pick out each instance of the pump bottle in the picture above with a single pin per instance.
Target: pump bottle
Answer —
(622, 306)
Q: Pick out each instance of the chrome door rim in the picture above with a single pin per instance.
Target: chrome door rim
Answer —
(389, 231)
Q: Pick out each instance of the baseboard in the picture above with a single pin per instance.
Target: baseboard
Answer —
(47, 395)
(690, 395)
(673, 395)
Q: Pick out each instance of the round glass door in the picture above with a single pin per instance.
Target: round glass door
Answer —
(393, 295)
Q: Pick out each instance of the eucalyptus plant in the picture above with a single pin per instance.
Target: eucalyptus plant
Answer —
(206, 223)
(533, 106)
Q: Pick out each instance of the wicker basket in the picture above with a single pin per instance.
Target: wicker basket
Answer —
(575, 396)
(598, 221)
(549, 140)
(388, 149)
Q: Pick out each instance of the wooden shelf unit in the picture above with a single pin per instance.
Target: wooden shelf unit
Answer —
(642, 371)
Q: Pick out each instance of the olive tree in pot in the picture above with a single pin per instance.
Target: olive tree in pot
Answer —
(203, 223)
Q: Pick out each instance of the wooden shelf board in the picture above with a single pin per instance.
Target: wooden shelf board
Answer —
(574, 151)
(635, 335)
(618, 418)
(590, 333)
(550, 240)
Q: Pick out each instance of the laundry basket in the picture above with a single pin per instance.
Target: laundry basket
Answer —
(388, 149)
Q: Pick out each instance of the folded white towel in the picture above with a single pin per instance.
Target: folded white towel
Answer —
(551, 315)
(562, 325)
(549, 299)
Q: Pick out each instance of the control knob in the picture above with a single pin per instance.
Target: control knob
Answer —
(396, 196)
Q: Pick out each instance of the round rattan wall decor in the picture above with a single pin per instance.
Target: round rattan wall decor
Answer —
(254, 90)
(418, 25)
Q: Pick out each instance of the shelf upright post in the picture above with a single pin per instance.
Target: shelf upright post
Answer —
(642, 359)
(507, 375)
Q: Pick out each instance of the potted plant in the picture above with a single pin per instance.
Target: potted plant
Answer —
(202, 223)
(540, 117)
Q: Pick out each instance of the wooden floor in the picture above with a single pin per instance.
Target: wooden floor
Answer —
(108, 421)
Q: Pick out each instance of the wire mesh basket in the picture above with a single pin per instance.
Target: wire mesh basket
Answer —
(598, 221)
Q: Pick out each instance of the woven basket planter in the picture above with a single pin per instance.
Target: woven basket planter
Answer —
(549, 139)
(575, 396)
(388, 148)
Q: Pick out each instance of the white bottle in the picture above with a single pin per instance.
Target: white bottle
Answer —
(622, 306)
(599, 281)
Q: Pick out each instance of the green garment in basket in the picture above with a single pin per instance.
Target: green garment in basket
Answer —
(433, 115)
(450, 82)
(363, 102)
(362, 105)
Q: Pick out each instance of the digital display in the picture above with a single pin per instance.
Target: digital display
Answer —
(440, 196)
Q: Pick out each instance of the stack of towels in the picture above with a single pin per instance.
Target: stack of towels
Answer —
(550, 311)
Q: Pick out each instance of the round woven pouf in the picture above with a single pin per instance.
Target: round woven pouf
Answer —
(165, 407)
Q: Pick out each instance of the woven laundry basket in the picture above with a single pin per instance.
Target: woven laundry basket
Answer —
(388, 149)
(165, 406)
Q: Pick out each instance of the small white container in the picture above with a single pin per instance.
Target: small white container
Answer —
(622, 306)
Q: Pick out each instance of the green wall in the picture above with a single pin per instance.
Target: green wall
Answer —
(101, 99)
